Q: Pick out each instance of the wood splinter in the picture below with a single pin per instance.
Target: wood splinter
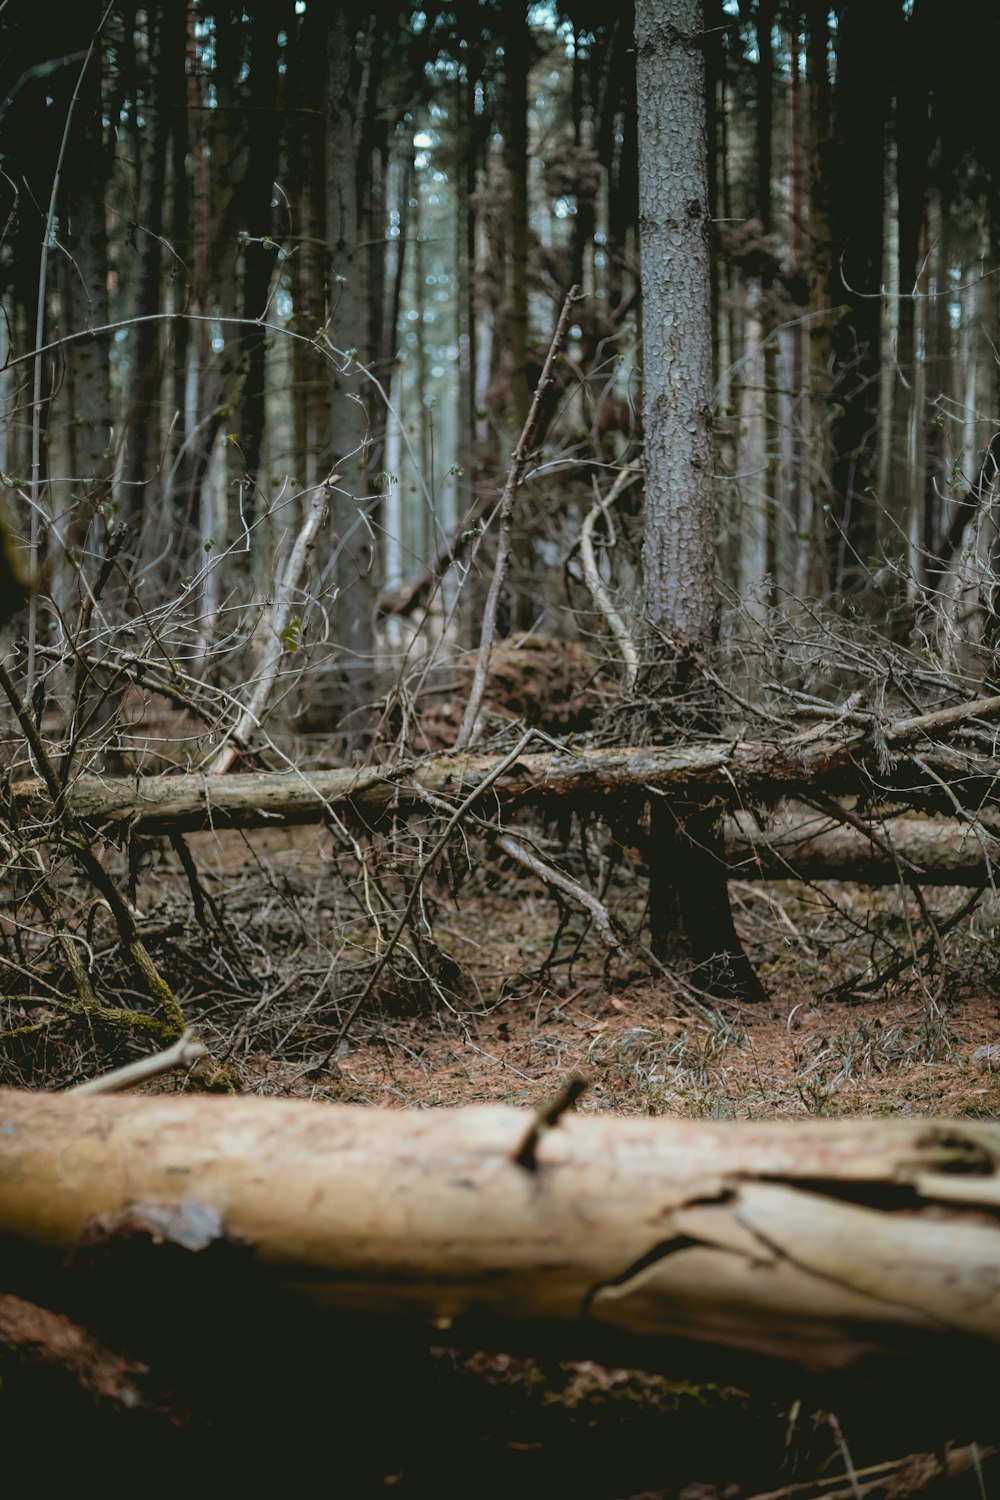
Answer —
(547, 1116)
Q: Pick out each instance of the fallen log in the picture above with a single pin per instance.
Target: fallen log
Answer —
(730, 774)
(792, 845)
(823, 1242)
(800, 846)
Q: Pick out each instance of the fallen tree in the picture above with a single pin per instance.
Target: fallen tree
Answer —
(842, 758)
(820, 1242)
(796, 843)
(799, 845)
(841, 762)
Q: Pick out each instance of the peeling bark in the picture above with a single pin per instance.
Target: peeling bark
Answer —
(789, 1239)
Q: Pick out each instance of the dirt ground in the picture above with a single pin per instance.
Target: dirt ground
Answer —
(523, 1005)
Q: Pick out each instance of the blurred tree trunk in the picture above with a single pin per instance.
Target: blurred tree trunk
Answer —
(801, 480)
(814, 574)
(623, 187)
(866, 36)
(785, 1240)
(348, 73)
(179, 288)
(144, 420)
(85, 176)
(771, 464)
(259, 250)
(307, 160)
(913, 148)
(690, 915)
(516, 67)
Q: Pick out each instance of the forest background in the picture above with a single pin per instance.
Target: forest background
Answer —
(278, 282)
(396, 697)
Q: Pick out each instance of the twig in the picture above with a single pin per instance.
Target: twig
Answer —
(544, 871)
(592, 576)
(916, 1469)
(909, 876)
(276, 633)
(498, 770)
(943, 718)
(525, 443)
(548, 1116)
(563, 883)
(184, 1053)
(74, 838)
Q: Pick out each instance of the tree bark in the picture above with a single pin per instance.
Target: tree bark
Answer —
(783, 1238)
(349, 326)
(724, 774)
(691, 923)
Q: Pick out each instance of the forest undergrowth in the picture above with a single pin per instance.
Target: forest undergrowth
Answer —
(500, 994)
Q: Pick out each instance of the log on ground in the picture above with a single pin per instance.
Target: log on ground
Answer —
(799, 845)
(823, 1242)
(728, 774)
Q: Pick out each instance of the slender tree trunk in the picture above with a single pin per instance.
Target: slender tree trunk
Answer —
(259, 251)
(866, 36)
(801, 485)
(815, 572)
(307, 149)
(86, 241)
(349, 395)
(168, 26)
(769, 521)
(691, 919)
(517, 63)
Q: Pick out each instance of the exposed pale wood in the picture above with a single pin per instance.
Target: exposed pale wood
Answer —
(786, 1237)
(278, 633)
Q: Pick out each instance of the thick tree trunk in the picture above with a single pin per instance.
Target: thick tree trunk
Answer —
(784, 1238)
(691, 923)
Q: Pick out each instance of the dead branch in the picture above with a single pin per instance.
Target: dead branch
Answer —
(525, 444)
(563, 884)
(184, 1053)
(68, 827)
(279, 635)
(603, 602)
(731, 774)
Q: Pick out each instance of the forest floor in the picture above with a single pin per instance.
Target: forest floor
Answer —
(510, 1004)
(521, 1006)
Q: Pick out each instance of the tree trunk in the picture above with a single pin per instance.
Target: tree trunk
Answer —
(781, 1238)
(259, 251)
(690, 917)
(355, 558)
(168, 25)
(516, 67)
(866, 38)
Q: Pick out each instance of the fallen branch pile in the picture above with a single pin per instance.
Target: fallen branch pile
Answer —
(822, 1242)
